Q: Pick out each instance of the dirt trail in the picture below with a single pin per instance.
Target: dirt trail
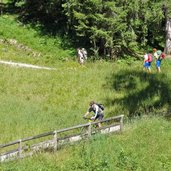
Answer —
(15, 64)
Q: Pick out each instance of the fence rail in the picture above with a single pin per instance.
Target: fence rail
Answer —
(76, 133)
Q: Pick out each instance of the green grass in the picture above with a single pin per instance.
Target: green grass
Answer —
(51, 48)
(142, 146)
(36, 101)
(48, 99)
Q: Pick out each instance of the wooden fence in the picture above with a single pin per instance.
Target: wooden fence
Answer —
(28, 146)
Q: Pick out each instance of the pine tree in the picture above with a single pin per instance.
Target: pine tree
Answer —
(111, 28)
(167, 13)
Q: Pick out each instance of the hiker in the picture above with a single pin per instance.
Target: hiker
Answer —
(98, 112)
(80, 56)
(147, 62)
(158, 55)
(150, 59)
(84, 52)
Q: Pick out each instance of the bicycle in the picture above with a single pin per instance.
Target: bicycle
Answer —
(90, 120)
(90, 128)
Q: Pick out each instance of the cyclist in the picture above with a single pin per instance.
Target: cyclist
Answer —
(98, 112)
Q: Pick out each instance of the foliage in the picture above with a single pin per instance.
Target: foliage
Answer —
(109, 28)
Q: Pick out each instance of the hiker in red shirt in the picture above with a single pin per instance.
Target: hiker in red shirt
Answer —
(147, 61)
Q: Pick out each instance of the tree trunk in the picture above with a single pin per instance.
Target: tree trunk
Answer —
(168, 37)
(1, 7)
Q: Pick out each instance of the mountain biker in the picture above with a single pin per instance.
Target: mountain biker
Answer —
(98, 112)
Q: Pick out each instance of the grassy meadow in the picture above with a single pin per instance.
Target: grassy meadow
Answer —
(51, 48)
(144, 145)
(36, 101)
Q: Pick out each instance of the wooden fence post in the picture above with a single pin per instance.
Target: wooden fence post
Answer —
(1, 7)
(55, 138)
(89, 130)
(19, 148)
(121, 124)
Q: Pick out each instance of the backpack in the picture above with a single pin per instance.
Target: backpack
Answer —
(159, 52)
(163, 55)
(100, 106)
(150, 58)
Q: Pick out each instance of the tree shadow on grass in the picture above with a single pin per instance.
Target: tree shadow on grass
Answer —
(140, 92)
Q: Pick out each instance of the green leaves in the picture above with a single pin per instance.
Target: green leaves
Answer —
(103, 25)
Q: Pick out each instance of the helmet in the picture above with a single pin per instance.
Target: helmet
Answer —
(91, 103)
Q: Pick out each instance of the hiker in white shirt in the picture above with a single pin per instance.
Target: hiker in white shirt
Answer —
(80, 56)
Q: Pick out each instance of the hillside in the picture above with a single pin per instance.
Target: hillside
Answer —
(19, 42)
(142, 146)
(36, 101)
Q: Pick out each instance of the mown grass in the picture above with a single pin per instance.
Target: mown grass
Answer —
(36, 101)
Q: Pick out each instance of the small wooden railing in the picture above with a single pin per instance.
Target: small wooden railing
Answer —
(21, 148)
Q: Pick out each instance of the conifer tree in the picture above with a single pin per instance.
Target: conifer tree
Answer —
(167, 13)
(111, 28)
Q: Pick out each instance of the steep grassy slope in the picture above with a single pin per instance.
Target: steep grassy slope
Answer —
(35, 101)
(144, 145)
(31, 45)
